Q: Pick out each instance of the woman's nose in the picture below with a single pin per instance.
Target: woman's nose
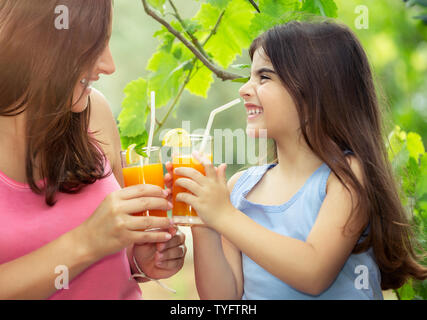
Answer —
(106, 62)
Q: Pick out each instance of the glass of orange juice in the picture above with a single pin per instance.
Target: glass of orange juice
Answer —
(141, 169)
(182, 213)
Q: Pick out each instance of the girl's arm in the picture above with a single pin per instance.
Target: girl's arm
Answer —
(217, 262)
(309, 266)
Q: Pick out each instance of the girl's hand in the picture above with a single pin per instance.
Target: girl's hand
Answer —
(209, 194)
(162, 260)
(113, 227)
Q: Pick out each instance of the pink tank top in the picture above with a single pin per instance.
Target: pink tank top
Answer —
(27, 223)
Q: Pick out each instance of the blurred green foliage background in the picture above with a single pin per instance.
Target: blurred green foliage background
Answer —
(395, 42)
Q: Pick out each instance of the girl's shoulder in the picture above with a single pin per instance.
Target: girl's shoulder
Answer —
(234, 178)
(355, 166)
(243, 175)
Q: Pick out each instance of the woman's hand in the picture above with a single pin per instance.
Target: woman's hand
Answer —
(162, 260)
(209, 194)
(112, 226)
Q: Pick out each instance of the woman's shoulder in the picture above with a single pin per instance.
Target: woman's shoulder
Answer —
(100, 112)
(103, 126)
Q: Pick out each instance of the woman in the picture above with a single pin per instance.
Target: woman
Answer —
(61, 201)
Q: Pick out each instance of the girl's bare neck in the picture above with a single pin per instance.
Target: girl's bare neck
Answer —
(295, 160)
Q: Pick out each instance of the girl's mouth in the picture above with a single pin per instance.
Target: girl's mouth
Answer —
(253, 111)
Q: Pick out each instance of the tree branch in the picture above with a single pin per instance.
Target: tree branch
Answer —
(175, 101)
(255, 5)
(194, 40)
(215, 28)
(223, 75)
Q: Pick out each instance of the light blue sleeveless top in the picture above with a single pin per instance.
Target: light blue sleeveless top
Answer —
(358, 279)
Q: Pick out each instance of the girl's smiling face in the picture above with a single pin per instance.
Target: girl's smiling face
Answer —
(267, 101)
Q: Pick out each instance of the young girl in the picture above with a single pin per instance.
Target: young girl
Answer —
(324, 221)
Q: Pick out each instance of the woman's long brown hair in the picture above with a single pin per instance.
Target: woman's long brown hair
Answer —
(326, 71)
(40, 67)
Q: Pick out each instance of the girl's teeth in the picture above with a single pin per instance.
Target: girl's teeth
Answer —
(257, 111)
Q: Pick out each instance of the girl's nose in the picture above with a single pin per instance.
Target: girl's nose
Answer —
(246, 90)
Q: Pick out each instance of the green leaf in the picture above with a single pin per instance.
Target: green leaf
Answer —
(232, 35)
(396, 142)
(221, 4)
(241, 66)
(241, 80)
(167, 73)
(134, 108)
(420, 2)
(138, 149)
(406, 292)
(177, 53)
(326, 8)
(191, 26)
(201, 81)
(411, 176)
(415, 145)
(273, 13)
(166, 38)
(140, 140)
(157, 4)
(420, 288)
(276, 8)
(330, 9)
(421, 187)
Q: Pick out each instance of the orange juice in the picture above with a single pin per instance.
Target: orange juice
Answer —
(153, 174)
(181, 208)
(134, 176)
(148, 174)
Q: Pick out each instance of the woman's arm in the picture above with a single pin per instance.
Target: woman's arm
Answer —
(102, 122)
(109, 229)
(146, 255)
(217, 262)
(33, 276)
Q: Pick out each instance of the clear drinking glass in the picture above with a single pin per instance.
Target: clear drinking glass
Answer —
(182, 213)
(140, 169)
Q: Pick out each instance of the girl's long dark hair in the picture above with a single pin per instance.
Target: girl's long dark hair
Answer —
(326, 71)
(40, 66)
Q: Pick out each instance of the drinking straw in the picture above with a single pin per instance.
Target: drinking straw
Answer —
(152, 123)
(211, 118)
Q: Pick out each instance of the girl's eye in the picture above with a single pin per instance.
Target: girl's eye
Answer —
(264, 77)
